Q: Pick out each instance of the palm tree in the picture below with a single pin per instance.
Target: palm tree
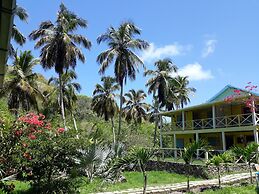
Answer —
(59, 45)
(248, 154)
(122, 44)
(104, 102)
(217, 160)
(21, 85)
(158, 85)
(183, 91)
(16, 35)
(70, 90)
(137, 156)
(135, 109)
(188, 155)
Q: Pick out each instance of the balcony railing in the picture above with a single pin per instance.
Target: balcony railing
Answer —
(220, 122)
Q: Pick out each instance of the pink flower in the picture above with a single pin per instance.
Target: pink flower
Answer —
(32, 136)
(61, 130)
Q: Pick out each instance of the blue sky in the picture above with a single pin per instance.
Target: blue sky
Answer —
(215, 43)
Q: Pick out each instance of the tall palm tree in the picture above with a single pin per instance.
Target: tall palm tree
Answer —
(70, 89)
(16, 35)
(104, 102)
(59, 45)
(182, 89)
(135, 109)
(20, 86)
(158, 85)
(122, 44)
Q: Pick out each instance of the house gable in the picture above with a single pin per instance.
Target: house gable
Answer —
(228, 91)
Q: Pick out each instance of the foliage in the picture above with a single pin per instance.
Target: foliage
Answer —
(188, 154)
(248, 154)
(122, 44)
(20, 87)
(137, 156)
(45, 153)
(135, 109)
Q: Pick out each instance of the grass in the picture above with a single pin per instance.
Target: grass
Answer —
(250, 189)
(135, 180)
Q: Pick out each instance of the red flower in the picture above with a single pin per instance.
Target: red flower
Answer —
(61, 130)
(25, 145)
(32, 136)
(27, 155)
(18, 132)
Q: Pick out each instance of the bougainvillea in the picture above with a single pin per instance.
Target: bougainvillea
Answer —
(246, 96)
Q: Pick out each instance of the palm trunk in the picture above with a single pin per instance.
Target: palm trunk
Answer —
(145, 182)
(251, 175)
(113, 132)
(75, 125)
(155, 132)
(188, 178)
(62, 101)
(218, 168)
(120, 113)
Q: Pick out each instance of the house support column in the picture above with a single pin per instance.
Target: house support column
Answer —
(256, 136)
(254, 113)
(175, 149)
(214, 116)
(197, 139)
(223, 137)
(183, 120)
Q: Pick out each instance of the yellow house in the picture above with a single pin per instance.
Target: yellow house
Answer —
(222, 124)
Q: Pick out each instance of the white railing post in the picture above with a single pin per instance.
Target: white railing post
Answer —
(183, 120)
(256, 136)
(214, 116)
(223, 137)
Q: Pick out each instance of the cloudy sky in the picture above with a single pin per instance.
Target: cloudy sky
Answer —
(215, 43)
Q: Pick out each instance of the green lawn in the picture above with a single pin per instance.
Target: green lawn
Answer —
(134, 180)
(250, 189)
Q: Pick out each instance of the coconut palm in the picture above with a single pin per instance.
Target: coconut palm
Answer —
(16, 35)
(158, 85)
(20, 86)
(183, 91)
(248, 154)
(188, 156)
(59, 45)
(104, 101)
(70, 89)
(137, 156)
(135, 109)
(122, 44)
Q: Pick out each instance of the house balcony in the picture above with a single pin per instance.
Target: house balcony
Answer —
(217, 122)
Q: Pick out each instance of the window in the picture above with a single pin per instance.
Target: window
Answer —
(179, 143)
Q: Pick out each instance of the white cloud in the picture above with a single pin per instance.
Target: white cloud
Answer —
(210, 46)
(195, 72)
(153, 52)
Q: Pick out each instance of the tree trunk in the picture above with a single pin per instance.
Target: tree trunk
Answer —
(218, 168)
(113, 132)
(251, 175)
(62, 101)
(75, 125)
(145, 182)
(156, 125)
(188, 178)
(120, 113)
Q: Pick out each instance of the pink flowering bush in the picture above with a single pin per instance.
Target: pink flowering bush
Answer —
(45, 151)
(248, 100)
